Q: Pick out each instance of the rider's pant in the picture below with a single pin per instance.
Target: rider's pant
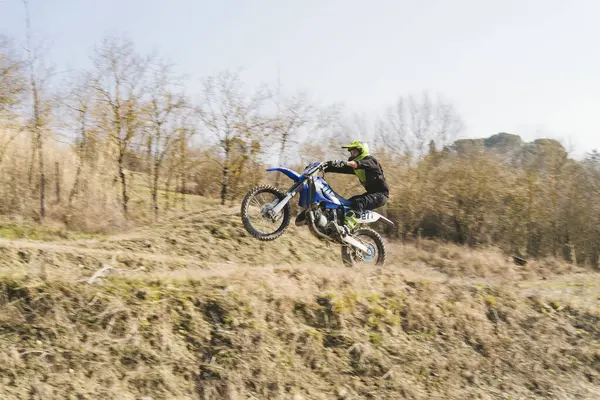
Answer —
(368, 201)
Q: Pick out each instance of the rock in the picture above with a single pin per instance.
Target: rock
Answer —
(342, 393)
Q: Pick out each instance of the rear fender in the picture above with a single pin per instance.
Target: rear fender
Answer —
(368, 217)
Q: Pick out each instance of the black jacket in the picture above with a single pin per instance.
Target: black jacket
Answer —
(375, 180)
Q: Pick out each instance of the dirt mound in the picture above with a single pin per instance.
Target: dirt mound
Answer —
(195, 308)
(217, 234)
(212, 238)
(310, 332)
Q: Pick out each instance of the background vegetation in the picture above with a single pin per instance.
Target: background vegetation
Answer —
(123, 143)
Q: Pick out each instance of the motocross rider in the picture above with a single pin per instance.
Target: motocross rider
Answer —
(370, 174)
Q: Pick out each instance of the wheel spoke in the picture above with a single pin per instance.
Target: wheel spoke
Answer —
(255, 202)
(261, 223)
(372, 240)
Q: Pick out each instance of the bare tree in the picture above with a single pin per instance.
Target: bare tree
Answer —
(235, 121)
(178, 160)
(410, 126)
(40, 112)
(292, 114)
(296, 116)
(168, 114)
(12, 78)
(13, 85)
(79, 104)
(120, 83)
(353, 127)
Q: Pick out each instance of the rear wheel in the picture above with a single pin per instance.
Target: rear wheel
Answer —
(257, 217)
(354, 258)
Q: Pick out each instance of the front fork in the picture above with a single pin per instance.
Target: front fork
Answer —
(277, 209)
(279, 204)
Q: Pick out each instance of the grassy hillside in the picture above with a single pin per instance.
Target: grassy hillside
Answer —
(196, 309)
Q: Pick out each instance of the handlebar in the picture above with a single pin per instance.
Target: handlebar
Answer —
(315, 168)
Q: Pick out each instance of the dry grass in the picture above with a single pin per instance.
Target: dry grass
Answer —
(275, 332)
(196, 309)
(96, 206)
(457, 261)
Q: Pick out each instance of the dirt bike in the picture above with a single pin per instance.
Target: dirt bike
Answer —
(323, 213)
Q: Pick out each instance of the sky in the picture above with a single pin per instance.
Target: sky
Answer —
(529, 67)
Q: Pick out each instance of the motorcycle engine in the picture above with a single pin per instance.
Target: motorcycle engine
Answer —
(323, 220)
(320, 219)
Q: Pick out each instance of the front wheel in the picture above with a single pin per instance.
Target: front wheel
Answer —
(353, 257)
(257, 215)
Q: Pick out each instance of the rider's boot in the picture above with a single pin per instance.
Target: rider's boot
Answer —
(301, 218)
(350, 221)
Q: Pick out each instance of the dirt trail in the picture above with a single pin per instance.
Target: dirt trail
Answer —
(205, 312)
(581, 285)
(59, 247)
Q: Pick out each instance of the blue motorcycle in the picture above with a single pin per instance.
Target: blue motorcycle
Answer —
(266, 214)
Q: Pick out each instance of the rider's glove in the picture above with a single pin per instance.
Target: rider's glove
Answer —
(336, 163)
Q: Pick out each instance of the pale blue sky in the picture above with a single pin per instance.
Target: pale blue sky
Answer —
(530, 67)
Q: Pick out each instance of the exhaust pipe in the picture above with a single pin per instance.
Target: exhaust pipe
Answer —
(313, 228)
(345, 239)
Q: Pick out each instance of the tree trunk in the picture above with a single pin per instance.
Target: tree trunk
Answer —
(37, 126)
(281, 158)
(42, 184)
(183, 173)
(42, 193)
(15, 201)
(156, 169)
(76, 182)
(183, 189)
(31, 163)
(72, 193)
(225, 182)
(224, 185)
(150, 161)
(57, 168)
(168, 191)
(123, 179)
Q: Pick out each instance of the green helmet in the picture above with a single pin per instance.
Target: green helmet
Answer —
(362, 147)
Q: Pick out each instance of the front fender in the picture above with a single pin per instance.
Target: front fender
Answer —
(293, 175)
